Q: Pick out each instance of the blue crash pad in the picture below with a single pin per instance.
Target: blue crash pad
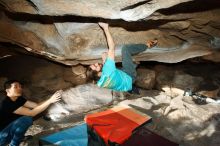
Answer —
(75, 136)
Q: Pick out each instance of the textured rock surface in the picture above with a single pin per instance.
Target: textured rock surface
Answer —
(2, 81)
(67, 31)
(145, 78)
(39, 76)
(178, 80)
(80, 99)
(179, 119)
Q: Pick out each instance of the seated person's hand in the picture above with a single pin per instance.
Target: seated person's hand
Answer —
(56, 96)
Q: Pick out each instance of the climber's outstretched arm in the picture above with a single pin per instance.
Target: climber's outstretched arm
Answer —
(110, 41)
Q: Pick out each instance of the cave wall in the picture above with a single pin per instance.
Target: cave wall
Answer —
(40, 77)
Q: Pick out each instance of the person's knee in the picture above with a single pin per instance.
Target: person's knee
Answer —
(3, 137)
(22, 124)
(25, 121)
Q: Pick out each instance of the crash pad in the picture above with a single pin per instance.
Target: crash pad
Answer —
(74, 136)
(146, 137)
(116, 125)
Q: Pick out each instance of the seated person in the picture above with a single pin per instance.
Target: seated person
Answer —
(16, 113)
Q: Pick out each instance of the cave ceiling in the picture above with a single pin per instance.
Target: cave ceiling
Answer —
(66, 31)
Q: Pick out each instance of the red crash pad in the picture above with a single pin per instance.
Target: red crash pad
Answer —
(117, 124)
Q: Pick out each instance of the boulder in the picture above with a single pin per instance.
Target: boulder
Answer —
(80, 99)
(78, 69)
(176, 79)
(73, 78)
(145, 78)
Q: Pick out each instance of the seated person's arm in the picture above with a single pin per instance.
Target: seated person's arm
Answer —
(40, 108)
(30, 104)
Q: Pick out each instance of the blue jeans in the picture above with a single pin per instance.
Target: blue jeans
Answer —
(14, 132)
(128, 65)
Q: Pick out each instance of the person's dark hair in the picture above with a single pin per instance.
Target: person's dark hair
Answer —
(8, 83)
(92, 75)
